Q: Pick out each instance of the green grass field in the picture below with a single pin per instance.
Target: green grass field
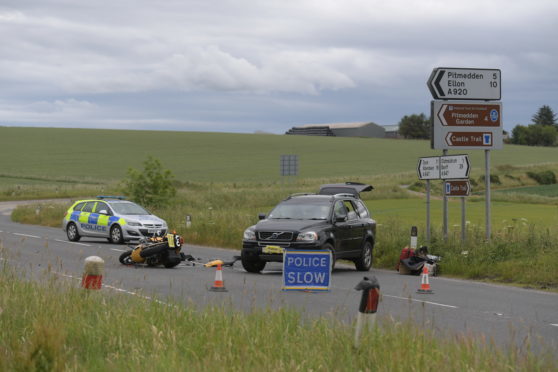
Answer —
(543, 190)
(105, 155)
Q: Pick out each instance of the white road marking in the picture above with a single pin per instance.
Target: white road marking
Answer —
(555, 325)
(118, 250)
(64, 241)
(415, 300)
(27, 235)
(116, 289)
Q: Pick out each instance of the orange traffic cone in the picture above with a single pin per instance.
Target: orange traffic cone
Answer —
(424, 284)
(218, 284)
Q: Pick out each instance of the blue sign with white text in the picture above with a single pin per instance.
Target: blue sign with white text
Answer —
(306, 270)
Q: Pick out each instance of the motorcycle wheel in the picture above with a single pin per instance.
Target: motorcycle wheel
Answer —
(125, 258)
(170, 264)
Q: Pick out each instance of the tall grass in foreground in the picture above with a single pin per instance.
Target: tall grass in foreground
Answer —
(55, 327)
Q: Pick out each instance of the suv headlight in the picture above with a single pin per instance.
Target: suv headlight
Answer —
(308, 236)
(132, 223)
(249, 234)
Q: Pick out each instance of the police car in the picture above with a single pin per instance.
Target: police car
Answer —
(110, 217)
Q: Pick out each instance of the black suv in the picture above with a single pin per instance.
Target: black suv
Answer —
(338, 222)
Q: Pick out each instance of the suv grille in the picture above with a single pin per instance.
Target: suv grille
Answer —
(284, 236)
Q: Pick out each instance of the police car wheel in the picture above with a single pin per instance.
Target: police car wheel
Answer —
(116, 235)
(72, 232)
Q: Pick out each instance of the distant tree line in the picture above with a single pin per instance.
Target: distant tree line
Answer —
(415, 126)
(542, 132)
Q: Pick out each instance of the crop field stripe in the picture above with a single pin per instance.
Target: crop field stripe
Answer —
(50, 153)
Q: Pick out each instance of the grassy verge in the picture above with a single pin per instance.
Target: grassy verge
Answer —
(51, 326)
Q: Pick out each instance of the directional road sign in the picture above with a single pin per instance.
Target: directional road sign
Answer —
(428, 168)
(466, 126)
(470, 139)
(457, 188)
(468, 114)
(451, 83)
(454, 166)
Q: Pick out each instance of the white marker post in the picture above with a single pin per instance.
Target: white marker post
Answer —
(366, 316)
(414, 237)
(93, 273)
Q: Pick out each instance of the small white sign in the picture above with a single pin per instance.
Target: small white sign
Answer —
(454, 166)
(429, 168)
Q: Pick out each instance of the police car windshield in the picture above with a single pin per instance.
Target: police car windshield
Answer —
(300, 211)
(128, 208)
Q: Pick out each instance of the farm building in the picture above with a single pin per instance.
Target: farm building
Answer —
(392, 131)
(367, 129)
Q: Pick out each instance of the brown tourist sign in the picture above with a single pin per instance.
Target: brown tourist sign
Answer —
(469, 114)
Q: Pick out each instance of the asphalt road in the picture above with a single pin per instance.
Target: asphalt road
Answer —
(501, 313)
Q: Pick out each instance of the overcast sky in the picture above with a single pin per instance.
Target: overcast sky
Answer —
(246, 66)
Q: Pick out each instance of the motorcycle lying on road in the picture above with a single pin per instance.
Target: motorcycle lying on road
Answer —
(154, 251)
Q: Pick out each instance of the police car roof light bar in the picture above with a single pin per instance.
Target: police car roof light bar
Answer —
(103, 197)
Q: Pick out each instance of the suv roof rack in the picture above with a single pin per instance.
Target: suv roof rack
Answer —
(103, 197)
(344, 195)
(301, 194)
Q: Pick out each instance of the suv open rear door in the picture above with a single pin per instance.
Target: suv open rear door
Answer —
(353, 188)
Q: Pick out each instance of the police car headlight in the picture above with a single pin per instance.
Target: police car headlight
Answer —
(308, 236)
(249, 234)
(134, 223)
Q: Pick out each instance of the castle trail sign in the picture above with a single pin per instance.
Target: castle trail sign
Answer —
(449, 83)
(457, 188)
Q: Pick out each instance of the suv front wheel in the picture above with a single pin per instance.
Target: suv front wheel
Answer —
(250, 264)
(364, 262)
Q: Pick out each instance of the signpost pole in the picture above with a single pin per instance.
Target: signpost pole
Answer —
(428, 211)
(487, 191)
(445, 210)
(463, 235)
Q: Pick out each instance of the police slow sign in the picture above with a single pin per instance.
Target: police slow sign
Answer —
(306, 270)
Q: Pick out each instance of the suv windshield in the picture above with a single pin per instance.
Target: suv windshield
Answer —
(300, 211)
(128, 208)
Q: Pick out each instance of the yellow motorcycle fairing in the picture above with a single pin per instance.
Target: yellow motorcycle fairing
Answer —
(136, 255)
